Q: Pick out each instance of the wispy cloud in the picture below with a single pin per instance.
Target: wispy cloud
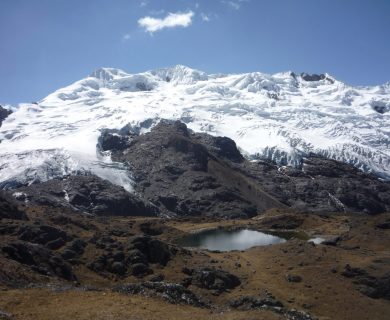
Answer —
(143, 3)
(234, 4)
(126, 37)
(172, 20)
(205, 17)
(156, 12)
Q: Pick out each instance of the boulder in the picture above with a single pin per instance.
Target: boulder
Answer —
(214, 279)
(155, 251)
(293, 278)
(140, 269)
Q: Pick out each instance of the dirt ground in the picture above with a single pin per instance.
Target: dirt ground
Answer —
(324, 291)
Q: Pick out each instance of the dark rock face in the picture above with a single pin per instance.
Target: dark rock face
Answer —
(4, 113)
(90, 194)
(380, 106)
(171, 292)
(312, 77)
(213, 279)
(9, 208)
(315, 77)
(40, 259)
(113, 141)
(184, 173)
(191, 174)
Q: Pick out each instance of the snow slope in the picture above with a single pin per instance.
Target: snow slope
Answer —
(282, 117)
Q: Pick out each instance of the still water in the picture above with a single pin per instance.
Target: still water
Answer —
(227, 240)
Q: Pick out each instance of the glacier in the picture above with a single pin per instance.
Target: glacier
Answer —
(282, 117)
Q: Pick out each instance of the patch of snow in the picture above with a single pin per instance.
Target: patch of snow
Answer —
(316, 240)
(21, 196)
(66, 196)
(337, 202)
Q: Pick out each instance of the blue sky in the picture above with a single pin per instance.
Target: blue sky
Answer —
(47, 44)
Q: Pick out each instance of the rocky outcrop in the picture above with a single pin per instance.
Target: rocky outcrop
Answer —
(40, 259)
(184, 173)
(172, 292)
(312, 77)
(51, 237)
(250, 302)
(376, 287)
(9, 208)
(4, 113)
(211, 279)
(73, 250)
(137, 258)
(88, 194)
(268, 302)
(315, 77)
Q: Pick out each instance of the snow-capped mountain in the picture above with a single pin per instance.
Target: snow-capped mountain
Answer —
(282, 117)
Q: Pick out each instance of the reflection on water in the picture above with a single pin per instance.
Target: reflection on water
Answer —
(225, 240)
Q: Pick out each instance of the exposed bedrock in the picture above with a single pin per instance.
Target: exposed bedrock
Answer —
(87, 194)
(4, 113)
(187, 173)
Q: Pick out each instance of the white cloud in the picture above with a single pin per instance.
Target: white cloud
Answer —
(172, 20)
(143, 3)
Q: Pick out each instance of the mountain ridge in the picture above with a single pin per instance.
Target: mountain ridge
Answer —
(281, 117)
